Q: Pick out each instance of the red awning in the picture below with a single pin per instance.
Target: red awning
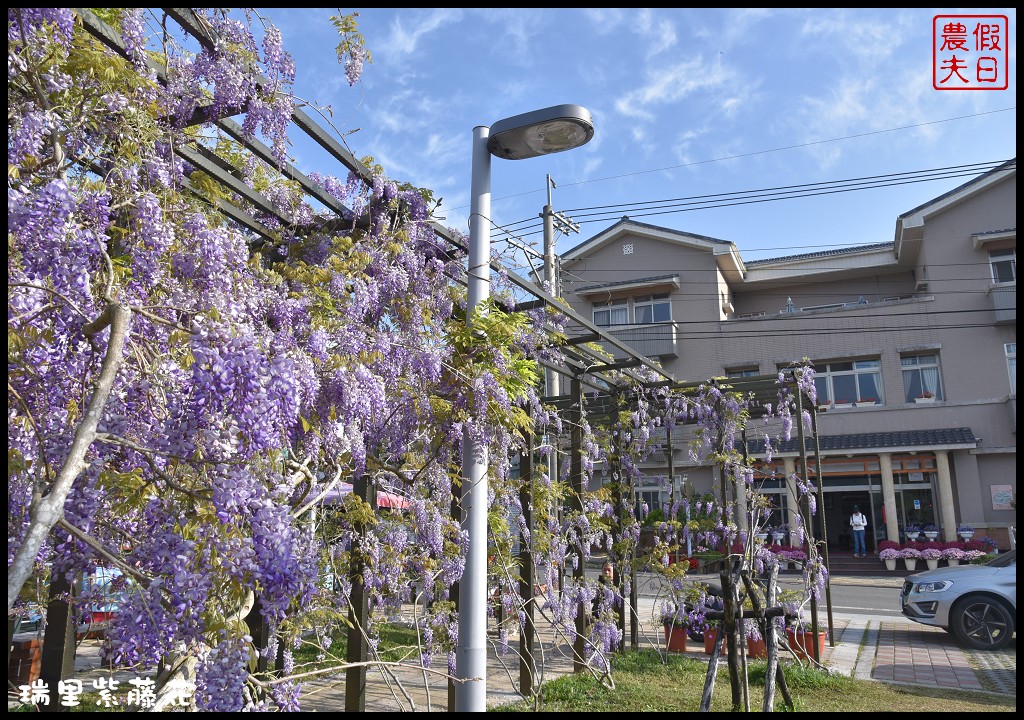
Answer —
(384, 499)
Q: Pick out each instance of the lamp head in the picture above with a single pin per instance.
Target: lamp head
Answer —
(541, 132)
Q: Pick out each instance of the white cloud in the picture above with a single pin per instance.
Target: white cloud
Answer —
(605, 20)
(671, 84)
(404, 42)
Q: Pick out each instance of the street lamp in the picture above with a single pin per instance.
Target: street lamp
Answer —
(541, 132)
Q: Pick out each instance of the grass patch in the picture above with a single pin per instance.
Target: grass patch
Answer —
(397, 643)
(644, 683)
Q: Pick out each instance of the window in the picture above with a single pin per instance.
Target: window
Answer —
(652, 308)
(652, 496)
(845, 383)
(613, 312)
(921, 377)
(1004, 265)
(1011, 365)
(745, 372)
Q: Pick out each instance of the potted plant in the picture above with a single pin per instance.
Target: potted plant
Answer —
(931, 556)
(965, 531)
(926, 397)
(802, 641)
(911, 531)
(971, 556)
(953, 555)
(910, 556)
(889, 556)
(676, 626)
(930, 531)
(844, 403)
(779, 534)
(867, 401)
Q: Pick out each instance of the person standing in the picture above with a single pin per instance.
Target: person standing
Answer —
(859, 523)
(609, 578)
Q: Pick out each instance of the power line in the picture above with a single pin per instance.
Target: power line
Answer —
(772, 150)
(785, 192)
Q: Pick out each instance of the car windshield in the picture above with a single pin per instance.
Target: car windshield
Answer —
(1003, 559)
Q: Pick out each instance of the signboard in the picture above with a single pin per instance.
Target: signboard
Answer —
(1002, 497)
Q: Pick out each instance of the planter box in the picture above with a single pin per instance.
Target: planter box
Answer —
(710, 636)
(924, 401)
(756, 648)
(803, 642)
(675, 638)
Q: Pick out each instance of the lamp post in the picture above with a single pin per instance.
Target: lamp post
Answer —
(540, 132)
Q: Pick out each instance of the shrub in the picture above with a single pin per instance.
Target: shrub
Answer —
(888, 545)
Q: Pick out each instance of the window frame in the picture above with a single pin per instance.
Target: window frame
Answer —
(654, 301)
(1000, 257)
(828, 372)
(917, 367)
(608, 306)
(736, 373)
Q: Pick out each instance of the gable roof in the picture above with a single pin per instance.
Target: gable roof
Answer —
(627, 226)
(910, 225)
(726, 253)
(822, 253)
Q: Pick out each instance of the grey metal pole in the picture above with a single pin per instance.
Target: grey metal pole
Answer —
(553, 380)
(471, 651)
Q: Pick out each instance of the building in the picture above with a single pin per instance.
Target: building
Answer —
(913, 342)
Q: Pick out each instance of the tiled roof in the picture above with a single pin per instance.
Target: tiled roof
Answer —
(823, 253)
(1009, 164)
(634, 281)
(995, 232)
(900, 439)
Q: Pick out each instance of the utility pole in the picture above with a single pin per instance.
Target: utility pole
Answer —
(552, 221)
(551, 276)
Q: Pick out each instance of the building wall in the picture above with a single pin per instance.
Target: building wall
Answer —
(952, 317)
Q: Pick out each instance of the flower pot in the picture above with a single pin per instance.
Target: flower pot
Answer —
(912, 536)
(778, 538)
(911, 563)
(890, 564)
(932, 564)
(953, 563)
(710, 635)
(803, 641)
(762, 536)
(675, 638)
(931, 534)
(756, 648)
(922, 401)
(967, 535)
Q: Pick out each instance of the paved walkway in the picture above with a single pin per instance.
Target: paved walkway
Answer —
(892, 650)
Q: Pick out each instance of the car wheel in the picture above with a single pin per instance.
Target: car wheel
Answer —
(982, 623)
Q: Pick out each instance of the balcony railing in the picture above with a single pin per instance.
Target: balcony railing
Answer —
(1004, 302)
(654, 340)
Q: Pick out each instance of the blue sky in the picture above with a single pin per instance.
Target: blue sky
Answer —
(685, 102)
